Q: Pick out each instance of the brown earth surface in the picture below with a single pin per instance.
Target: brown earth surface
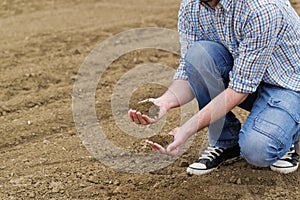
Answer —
(43, 44)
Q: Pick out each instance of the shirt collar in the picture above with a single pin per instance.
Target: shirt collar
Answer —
(205, 4)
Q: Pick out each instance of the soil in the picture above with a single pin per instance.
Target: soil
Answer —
(147, 108)
(42, 46)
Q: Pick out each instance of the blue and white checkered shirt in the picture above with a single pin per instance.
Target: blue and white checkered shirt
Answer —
(263, 37)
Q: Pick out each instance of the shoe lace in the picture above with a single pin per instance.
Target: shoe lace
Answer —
(289, 154)
(211, 152)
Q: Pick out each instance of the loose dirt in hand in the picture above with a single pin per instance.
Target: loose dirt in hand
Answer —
(147, 108)
(42, 46)
(162, 138)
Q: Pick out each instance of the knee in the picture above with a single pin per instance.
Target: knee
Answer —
(197, 57)
(199, 64)
(258, 151)
(255, 157)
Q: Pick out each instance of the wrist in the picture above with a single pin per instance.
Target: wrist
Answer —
(163, 103)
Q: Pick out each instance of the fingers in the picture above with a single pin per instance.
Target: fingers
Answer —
(150, 99)
(170, 150)
(147, 119)
(133, 116)
(130, 114)
(157, 147)
(139, 118)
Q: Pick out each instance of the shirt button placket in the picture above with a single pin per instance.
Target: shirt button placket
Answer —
(220, 23)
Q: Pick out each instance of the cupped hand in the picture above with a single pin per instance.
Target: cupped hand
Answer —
(173, 148)
(139, 118)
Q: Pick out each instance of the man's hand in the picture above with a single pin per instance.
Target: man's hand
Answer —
(140, 118)
(173, 148)
(179, 93)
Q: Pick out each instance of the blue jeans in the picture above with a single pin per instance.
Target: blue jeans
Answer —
(273, 124)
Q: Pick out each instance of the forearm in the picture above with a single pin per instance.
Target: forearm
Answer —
(178, 93)
(213, 111)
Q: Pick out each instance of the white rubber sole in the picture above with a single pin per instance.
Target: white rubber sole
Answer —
(198, 172)
(283, 170)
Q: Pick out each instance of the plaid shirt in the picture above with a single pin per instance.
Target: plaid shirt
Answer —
(263, 37)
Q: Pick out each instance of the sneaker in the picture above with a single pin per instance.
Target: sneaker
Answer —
(211, 158)
(288, 163)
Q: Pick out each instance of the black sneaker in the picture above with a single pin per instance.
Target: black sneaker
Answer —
(211, 158)
(289, 162)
